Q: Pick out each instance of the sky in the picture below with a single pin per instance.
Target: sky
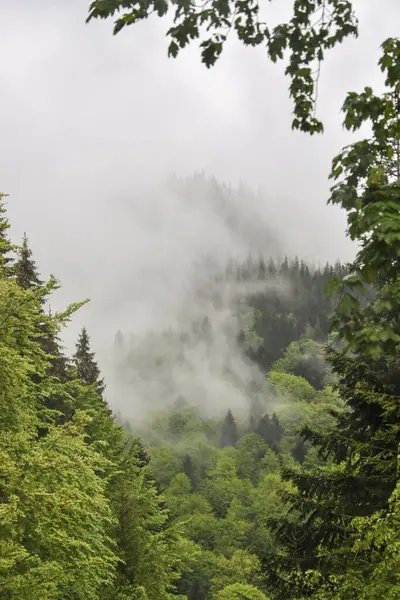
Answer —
(91, 124)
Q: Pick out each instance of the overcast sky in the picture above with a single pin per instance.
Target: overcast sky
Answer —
(87, 119)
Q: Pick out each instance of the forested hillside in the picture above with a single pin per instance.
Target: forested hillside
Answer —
(91, 511)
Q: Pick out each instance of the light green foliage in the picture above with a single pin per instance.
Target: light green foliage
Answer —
(314, 27)
(367, 176)
(54, 517)
(223, 484)
(250, 451)
(57, 519)
(305, 358)
(242, 567)
(80, 516)
(165, 464)
(240, 591)
(291, 386)
(149, 548)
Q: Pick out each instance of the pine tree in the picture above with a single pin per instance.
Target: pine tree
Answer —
(86, 365)
(277, 430)
(189, 470)
(27, 277)
(265, 429)
(119, 340)
(5, 245)
(55, 518)
(299, 451)
(148, 548)
(229, 434)
(25, 269)
(347, 509)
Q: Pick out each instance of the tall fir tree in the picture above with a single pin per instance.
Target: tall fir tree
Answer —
(229, 434)
(86, 365)
(26, 272)
(5, 244)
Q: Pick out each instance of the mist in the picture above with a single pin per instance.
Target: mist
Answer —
(93, 126)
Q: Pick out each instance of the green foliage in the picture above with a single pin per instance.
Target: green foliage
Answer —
(296, 388)
(86, 365)
(305, 358)
(80, 516)
(165, 464)
(5, 245)
(55, 518)
(25, 269)
(149, 548)
(314, 27)
(229, 431)
(240, 591)
(368, 189)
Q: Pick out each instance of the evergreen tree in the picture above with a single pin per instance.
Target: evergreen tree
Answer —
(148, 548)
(85, 363)
(189, 470)
(299, 451)
(25, 269)
(5, 245)
(265, 429)
(276, 430)
(54, 518)
(229, 435)
(119, 340)
(336, 554)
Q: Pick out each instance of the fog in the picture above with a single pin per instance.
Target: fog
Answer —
(92, 125)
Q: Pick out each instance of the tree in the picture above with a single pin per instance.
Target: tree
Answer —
(314, 27)
(25, 269)
(229, 434)
(264, 429)
(251, 448)
(149, 548)
(189, 470)
(240, 591)
(305, 358)
(86, 365)
(57, 519)
(59, 365)
(54, 518)
(337, 556)
(5, 245)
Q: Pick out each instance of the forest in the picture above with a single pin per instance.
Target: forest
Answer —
(264, 463)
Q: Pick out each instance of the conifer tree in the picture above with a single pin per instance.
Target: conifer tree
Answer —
(277, 430)
(55, 518)
(148, 547)
(5, 245)
(229, 435)
(189, 470)
(119, 340)
(264, 429)
(336, 552)
(85, 363)
(27, 277)
(25, 269)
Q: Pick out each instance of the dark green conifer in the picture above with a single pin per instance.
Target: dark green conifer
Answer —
(5, 245)
(265, 429)
(229, 434)
(189, 470)
(85, 363)
(26, 272)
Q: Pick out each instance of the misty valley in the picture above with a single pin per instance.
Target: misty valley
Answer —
(220, 420)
